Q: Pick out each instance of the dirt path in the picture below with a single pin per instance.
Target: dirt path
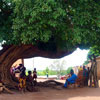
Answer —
(53, 94)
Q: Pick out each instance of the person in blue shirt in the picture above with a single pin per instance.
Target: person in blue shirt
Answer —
(70, 80)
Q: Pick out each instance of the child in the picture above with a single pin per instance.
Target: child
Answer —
(29, 82)
(34, 74)
(29, 78)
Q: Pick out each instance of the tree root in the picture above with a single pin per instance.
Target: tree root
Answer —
(50, 83)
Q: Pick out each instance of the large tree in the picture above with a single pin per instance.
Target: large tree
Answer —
(47, 28)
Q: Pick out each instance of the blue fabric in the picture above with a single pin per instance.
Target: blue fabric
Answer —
(65, 85)
(70, 80)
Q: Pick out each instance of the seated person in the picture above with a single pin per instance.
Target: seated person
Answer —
(82, 79)
(29, 78)
(71, 79)
(29, 82)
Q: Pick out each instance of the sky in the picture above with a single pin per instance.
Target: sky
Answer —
(77, 58)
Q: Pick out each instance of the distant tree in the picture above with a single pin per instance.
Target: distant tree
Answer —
(39, 73)
(68, 70)
(58, 67)
(46, 71)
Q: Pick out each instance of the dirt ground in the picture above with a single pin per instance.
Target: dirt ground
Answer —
(54, 94)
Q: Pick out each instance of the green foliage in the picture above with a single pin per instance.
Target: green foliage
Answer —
(86, 19)
(50, 24)
(39, 20)
(68, 70)
(46, 71)
(53, 72)
(86, 62)
(95, 50)
(57, 68)
(40, 73)
(6, 8)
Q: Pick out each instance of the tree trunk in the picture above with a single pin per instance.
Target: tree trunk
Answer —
(93, 72)
(9, 54)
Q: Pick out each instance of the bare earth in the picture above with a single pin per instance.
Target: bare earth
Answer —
(54, 94)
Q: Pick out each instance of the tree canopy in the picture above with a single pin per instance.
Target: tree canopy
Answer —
(95, 50)
(47, 28)
(50, 24)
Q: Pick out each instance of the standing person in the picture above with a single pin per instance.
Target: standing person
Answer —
(22, 78)
(71, 79)
(47, 75)
(35, 76)
(85, 76)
